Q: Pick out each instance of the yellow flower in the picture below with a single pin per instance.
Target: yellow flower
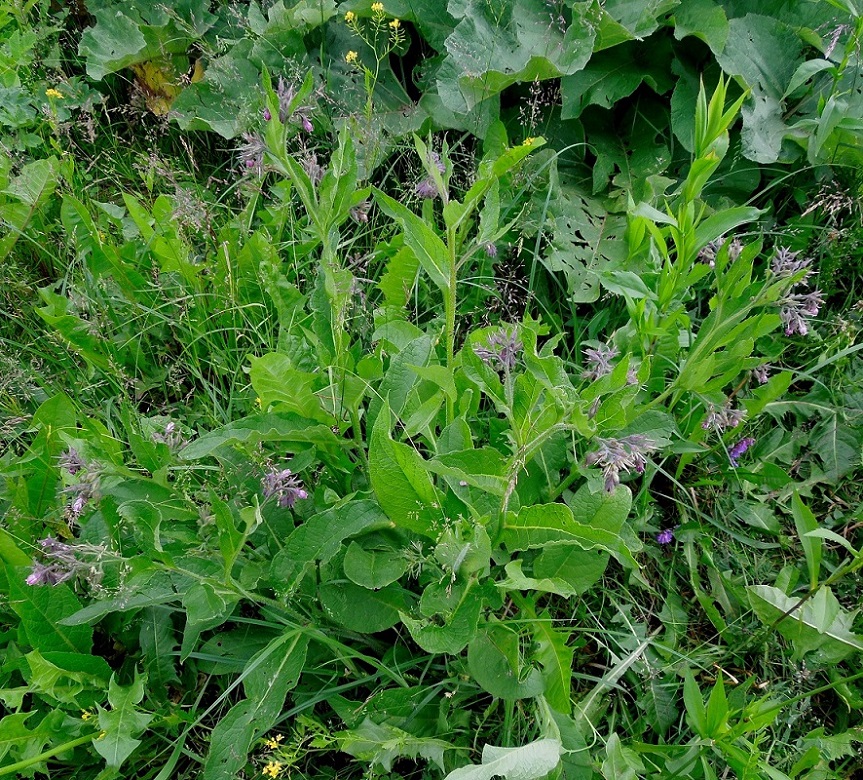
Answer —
(102, 735)
(350, 17)
(378, 8)
(351, 57)
(273, 769)
(395, 24)
(528, 141)
(53, 93)
(86, 715)
(273, 742)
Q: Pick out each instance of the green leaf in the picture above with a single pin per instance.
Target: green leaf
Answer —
(320, 537)
(275, 426)
(268, 678)
(528, 762)
(703, 19)
(275, 380)
(362, 610)
(40, 610)
(494, 659)
(373, 568)
(431, 252)
(621, 763)
(383, 743)
(555, 658)
(122, 722)
(804, 522)
(400, 479)
(819, 627)
(206, 608)
(457, 608)
(579, 569)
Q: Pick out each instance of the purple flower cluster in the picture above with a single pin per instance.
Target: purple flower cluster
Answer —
(796, 308)
(665, 536)
(739, 449)
(720, 419)
(83, 490)
(598, 361)
(172, 436)
(762, 373)
(285, 485)
(708, 254)
(286, 93)
(63, 562)
(71, 461)
(427, 188)
(502, 348)
(252, 152)
(616, 455)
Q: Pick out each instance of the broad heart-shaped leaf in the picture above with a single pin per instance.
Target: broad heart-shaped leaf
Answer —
(321, 536)
(362, 610)
(400, 479)
(458, 607)
(421, 239)
(373, 568)
(528, 762)
(40, 610)
(137, 31)
(382, 744)
(274, 426)
(269, 676)
(495, 46)
(122, 722)
(820, 627)
(494, 659)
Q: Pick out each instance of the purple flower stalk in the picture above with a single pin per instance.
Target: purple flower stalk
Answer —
(720, 419)
(63, 563)
(501, 347)
(285, 485)
(665, 537)
(616, 455)
(739, 449)
(762, 373)
(71, 461)
(797, 308)
(599, 361)
(785, 264)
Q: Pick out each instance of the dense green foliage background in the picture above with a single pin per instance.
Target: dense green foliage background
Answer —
(457, 389)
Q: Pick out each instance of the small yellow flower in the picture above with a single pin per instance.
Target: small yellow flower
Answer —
(53, 93)
(273, 742)
(350, 17)
(528, 141)
(377, 8)
(102, 735)
(85, 715)
(351, 57)
(273, 769)
(395, 24)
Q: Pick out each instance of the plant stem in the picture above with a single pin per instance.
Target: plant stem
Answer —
(17, 767)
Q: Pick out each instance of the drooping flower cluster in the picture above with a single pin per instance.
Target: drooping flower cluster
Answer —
(65, 561)
(285, 485)
(722, 418)
(598, 361)
(739, 449)
(708, 254)
(796, 308)
(427, 188)
(762, 373)
(614, 456)
(83, 490)
(286, 93)
(172, 436)
(251, 152)
(501, 347)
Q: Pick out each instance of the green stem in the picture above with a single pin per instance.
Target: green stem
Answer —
(17, 767)
(450, 301)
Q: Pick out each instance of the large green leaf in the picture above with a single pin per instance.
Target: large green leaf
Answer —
(269, 676)
(528, 762)
(820, 628)
(494, 659)
(360, 609)
(40, 610)
(383, 743)
(320, 537)
(400, 479)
